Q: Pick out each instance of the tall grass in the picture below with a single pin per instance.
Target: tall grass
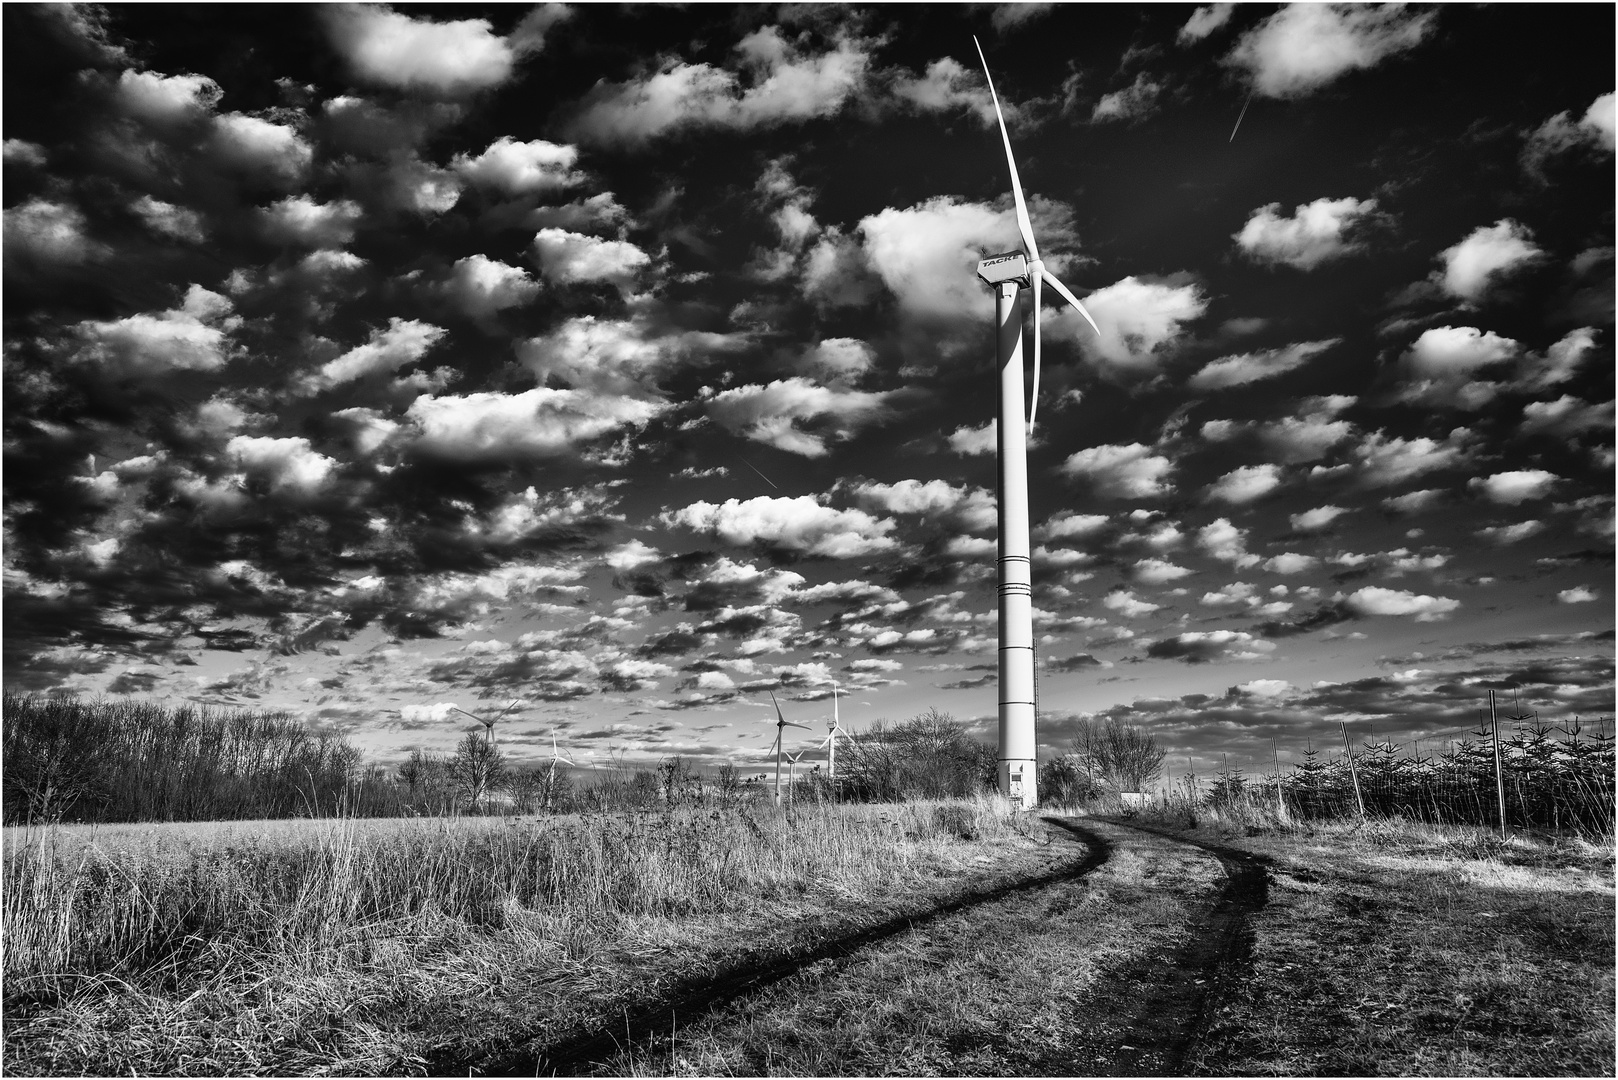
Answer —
(167, 904)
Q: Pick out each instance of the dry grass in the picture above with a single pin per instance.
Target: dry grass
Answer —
(378, 947)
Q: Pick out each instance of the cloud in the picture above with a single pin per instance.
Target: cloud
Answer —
(1123, 601)
(838, 361)
(1317, 519)
(947, 84)
(165, 100)
(540, 423)
(1439, 367)
(1125, 472)
(797, 524)
(1203, 647)
(1246, 368)
(403, 342)
(1414, 502)
(1559, 364)
(568, 257)
(1226, 542)
(1373, 600)
(446, 59)
(785, 413)
(169, 220)
(926, 255)
(1245, 484)
(1567, 416)
(1065, 524)
(44, 234)
(1297, 439)
(973, 441)
(479, 286)
(1131, 104)
(1511, 534)
(1560, 134)
(1579, 594)
(1158, 571)
(1386, 460)
(512, 168)
(1141, 323)
(1290, 562)
(299, 219)
(1514, 487)
(970, 508)
(787, 85)
(1204, 21)
(1304, 47)
(1317, 232)
(1488, 253)
(289, 465)
(260, 148)
(192, 337)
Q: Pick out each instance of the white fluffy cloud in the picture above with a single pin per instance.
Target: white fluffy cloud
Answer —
(1440, 367)
(1297, 439)
(300, 220)
(1373, 600)
(1514, 487)
(786, 413)
(1134, 102)
(1290, 562)
(1487, 254)
(170, 220)
(568, 257)
(1566, 416)
(1386, 460)
(799, 524)
(404, 341)
(165, 99)
(971, 508)
(289, 466)
(1315, 233)
(512, 168)
(1158, 571)
(479, 286)
(1222, 540)
(1511, 534)
(973, 441)
(192, 337)
(1133, 471)
(1319, 518)
(1204, 21)
(838, 361)
(1245, 484)
(1206, 646)
(1560, 362)
(539, 423)
(785, 85)
(39, 232)
(926, 255)
(1251, 367)
(255, 146)
(1579, 594)
(1140, 321)
(1562, 133)
(1124, 603)
(450, 59)
(1304, 47)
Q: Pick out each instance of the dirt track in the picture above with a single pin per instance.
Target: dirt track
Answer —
(1140, 1018)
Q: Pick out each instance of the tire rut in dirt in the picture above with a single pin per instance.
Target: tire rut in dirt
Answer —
(579, 1055)
(1156, 1010)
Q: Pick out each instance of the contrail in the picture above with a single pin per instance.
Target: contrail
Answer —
(1239, 120)
(766, 479)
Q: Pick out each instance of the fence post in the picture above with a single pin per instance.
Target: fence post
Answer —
(1352, 772)
(1499, 777)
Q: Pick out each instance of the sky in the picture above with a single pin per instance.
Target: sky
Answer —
(629, 363)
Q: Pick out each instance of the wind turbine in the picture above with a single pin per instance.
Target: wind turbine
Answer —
(834, 729)
(792, 774)
(781, 724)
(550, 775)
(488, 725)
(1008, 274)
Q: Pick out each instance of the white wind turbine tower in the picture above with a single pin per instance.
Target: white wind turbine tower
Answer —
(792, 774)
(834, 729)
(1008, 274)
(781, 724)
(550, 775)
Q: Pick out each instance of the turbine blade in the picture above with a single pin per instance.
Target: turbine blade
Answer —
(1033, 399)
(823, 742)
(778, 715)
(1070, 298)
(789, 723)
(1024, 225)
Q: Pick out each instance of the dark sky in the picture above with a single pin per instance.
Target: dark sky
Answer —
(630, 363)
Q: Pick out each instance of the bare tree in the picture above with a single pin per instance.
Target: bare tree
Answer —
(1124, 756)
(478, 769)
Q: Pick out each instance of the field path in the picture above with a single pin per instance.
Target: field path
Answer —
(1137, 935)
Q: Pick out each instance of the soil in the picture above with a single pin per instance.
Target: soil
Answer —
(1143, 1018)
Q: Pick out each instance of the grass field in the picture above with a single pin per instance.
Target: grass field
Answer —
(389, 947)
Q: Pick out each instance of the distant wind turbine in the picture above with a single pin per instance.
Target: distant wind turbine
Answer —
(792, 773)
(550, 775)
(781, 724)
(1007, 274)
(488, 724)
(834, 729)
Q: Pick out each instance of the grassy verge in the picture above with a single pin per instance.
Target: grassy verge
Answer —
(381, 947)
(1397, 949)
